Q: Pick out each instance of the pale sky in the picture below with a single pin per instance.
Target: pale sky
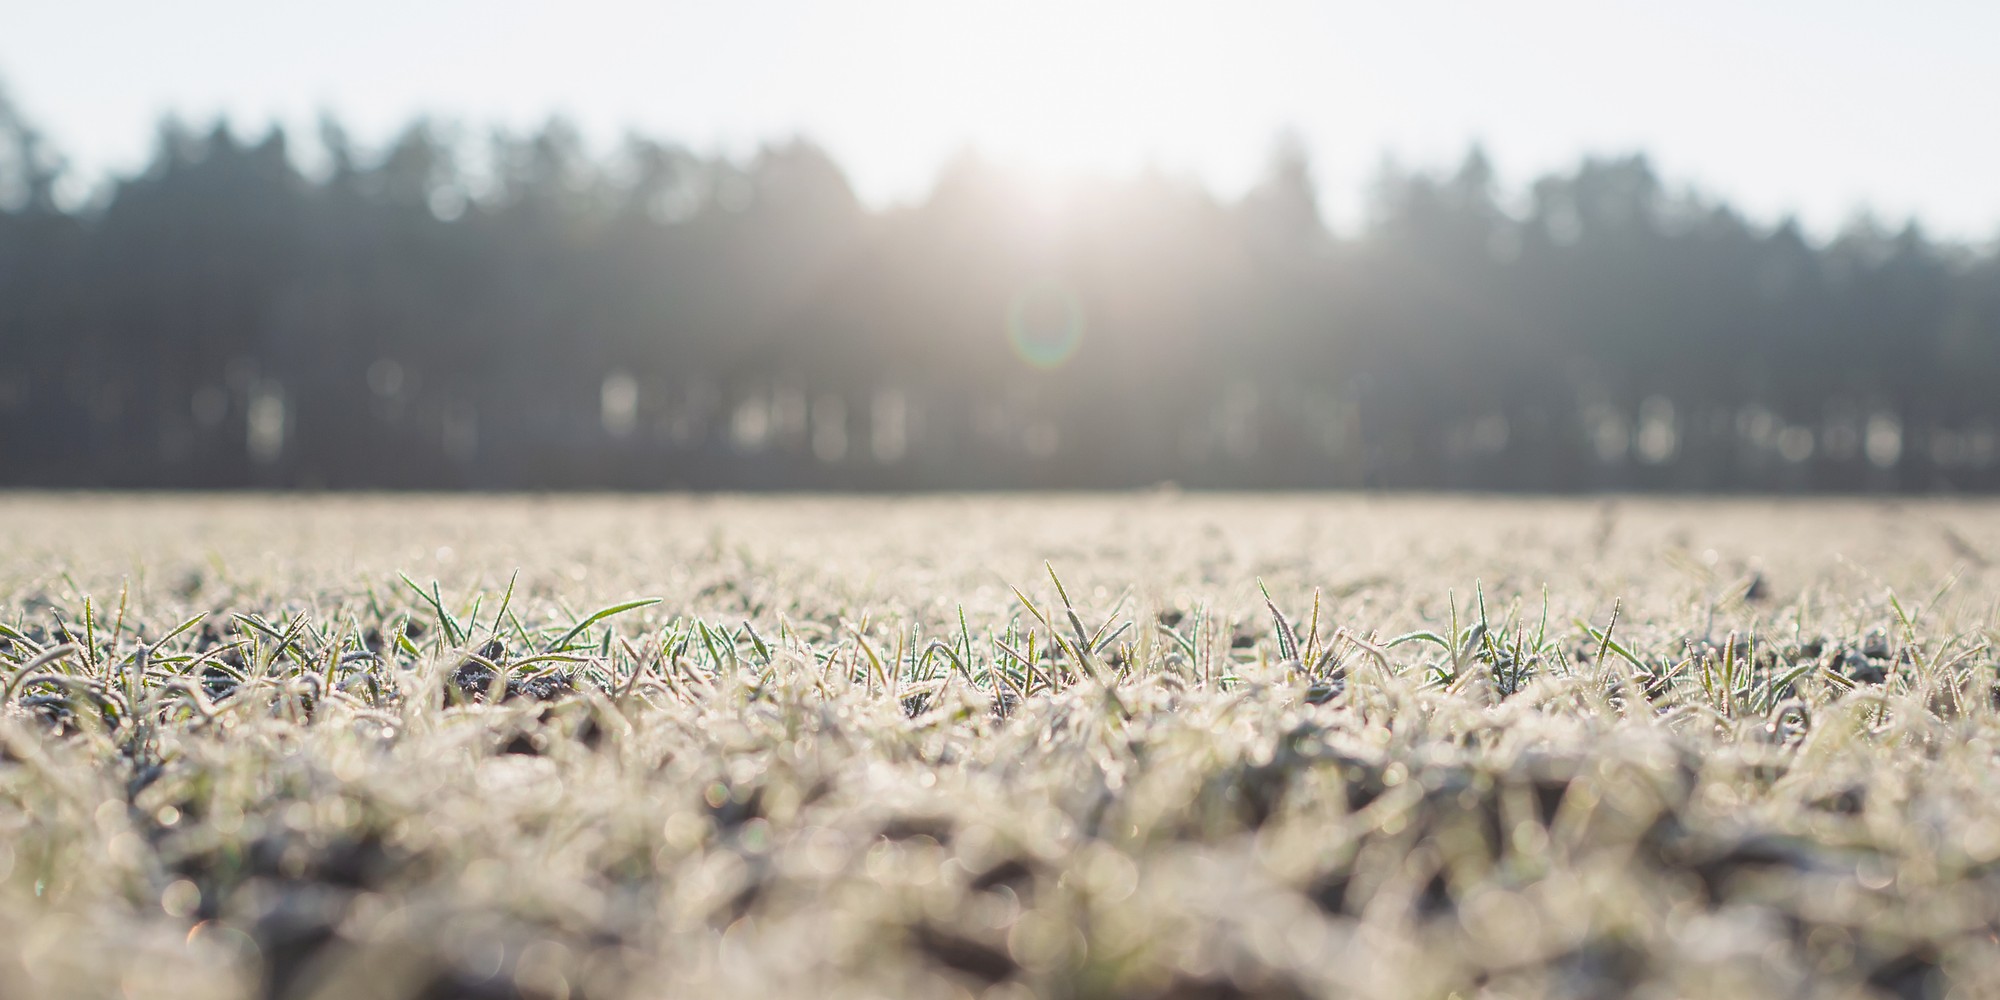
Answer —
(1813, 107)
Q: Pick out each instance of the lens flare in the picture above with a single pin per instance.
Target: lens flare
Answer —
(1045, 323)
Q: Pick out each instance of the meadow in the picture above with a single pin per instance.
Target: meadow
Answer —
(1146, 745)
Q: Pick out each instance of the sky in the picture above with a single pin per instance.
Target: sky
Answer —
(1784, 107)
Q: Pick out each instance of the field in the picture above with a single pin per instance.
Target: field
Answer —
(1145, 746)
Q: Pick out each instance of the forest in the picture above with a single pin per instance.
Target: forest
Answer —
(491, 310)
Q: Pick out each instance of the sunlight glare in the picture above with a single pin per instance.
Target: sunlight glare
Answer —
(1060, 87)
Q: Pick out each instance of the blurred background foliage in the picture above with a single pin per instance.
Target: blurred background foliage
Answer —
(461, 309)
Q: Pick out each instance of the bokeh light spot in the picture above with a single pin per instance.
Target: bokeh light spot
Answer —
(1045, 324)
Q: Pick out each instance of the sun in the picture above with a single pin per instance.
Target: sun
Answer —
(1055, 87)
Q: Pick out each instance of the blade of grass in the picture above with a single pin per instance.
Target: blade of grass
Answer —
(600, 615)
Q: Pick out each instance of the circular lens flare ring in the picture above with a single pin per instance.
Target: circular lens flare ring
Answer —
(1045, 324)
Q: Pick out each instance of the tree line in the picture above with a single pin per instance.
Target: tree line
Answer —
(459, 310)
